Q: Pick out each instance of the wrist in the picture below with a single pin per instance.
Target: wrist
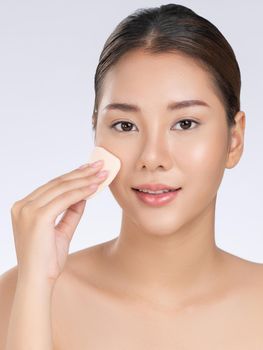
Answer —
(35, 284)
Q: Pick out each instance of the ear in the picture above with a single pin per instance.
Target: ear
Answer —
(236, 140)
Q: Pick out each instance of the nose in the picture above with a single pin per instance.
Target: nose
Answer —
(155, 152)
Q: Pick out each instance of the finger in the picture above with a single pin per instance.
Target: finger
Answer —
(65, 186)
(51, 210)
(71, 219)
(54, 182)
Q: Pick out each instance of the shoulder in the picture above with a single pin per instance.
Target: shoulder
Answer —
(244, 275)
(7, 286)
(7, 291)
(8, 280)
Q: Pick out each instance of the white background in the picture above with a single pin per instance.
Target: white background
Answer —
(49, 53)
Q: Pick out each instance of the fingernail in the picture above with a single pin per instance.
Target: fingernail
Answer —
(102, 173)
(93, 165)
(84, 166)
(97, 163)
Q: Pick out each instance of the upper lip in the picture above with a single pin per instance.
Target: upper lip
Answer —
(154, 187)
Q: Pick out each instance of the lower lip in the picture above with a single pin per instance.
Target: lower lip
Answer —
(156, 200)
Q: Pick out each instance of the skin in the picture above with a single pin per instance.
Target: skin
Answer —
(167, 255)
(162, 283)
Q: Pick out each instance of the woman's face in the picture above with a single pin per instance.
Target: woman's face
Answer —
(155, 147)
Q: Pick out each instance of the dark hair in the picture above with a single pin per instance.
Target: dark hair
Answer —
(175, 28)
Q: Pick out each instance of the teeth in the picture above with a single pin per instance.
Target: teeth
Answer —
(155, 192)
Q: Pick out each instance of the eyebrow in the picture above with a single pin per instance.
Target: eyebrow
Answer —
(125, 107)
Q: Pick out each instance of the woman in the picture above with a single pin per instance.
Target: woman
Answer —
(167, 104)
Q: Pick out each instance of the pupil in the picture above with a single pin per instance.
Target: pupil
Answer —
(126, 123)
(185, 123)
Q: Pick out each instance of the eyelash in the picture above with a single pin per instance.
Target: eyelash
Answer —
(180, 121)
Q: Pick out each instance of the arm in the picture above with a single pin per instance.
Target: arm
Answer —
(42, 247)
(30, 319)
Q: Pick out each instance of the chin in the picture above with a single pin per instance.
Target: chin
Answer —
(160, 229)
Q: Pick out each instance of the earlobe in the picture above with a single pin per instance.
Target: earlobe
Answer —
(236, 142)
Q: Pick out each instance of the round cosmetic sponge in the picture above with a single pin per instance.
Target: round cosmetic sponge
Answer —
(111, 163)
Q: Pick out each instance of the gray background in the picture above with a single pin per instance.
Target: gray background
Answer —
(49, 53)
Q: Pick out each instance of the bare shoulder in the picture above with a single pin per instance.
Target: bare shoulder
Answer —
(7, 287)
(8, 280)
(7, 291)
(245, 274)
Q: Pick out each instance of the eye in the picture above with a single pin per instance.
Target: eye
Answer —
(185, 123)
(126, 124)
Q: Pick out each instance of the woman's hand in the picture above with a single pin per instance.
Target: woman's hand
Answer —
(41, 245)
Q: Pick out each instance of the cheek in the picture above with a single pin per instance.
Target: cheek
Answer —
(105, 137)
(203, 164)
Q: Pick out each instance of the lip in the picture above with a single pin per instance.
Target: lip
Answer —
(154, 187)
(156, 200)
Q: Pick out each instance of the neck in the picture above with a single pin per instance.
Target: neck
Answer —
(177, 266)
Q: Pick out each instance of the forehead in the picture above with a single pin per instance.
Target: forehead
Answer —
(153, 79)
